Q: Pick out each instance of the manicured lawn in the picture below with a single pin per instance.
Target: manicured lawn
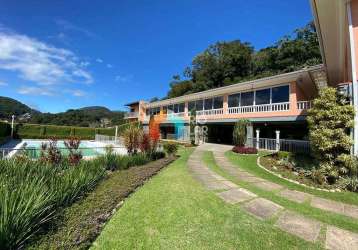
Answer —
(173, 211)
(249, 161)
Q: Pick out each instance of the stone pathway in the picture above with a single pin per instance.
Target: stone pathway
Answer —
(293, 223)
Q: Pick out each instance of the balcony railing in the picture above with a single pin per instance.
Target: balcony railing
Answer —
(131, 115)
(284, 106)
(181, 114)
(210, 112)
(302, 105)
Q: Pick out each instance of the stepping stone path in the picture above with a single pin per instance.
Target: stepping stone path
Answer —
(304, 228)
(262, 208)
(298, 225)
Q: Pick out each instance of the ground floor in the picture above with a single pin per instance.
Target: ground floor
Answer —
(221, 131)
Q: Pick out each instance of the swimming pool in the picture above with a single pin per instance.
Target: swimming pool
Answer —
(87, 148)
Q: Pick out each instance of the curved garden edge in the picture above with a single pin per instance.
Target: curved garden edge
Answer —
(80, 224)
(292, 181)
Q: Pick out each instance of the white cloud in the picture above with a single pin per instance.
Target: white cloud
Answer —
(68, 26)
(99, 60)
(39, 62)
(125, 78)
(85, 64)
(78, 93)
(109, 65)
(3, 84)
(35, 91)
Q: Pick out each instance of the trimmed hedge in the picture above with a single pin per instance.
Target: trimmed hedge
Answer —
(5, 129)
(37, 131)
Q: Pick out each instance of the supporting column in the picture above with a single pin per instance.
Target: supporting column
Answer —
(115, 135)
(277, 140)
(197, 135)
(257, 138)
(249, 135)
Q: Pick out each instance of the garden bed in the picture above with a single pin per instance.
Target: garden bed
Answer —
(298, 168)
(78, 226)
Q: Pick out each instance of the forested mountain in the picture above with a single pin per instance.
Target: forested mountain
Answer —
(95, 116)
(226, 63)
(9, 107)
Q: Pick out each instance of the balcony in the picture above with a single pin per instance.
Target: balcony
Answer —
(131, 115)
(304, 105)
(210, 112)
(274, 107)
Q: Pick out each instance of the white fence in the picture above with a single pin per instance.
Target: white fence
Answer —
(303, 105)
(210, 112)
(294, 146)
(108, 139)
(284, 106)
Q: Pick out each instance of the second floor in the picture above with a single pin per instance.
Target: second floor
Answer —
(282, 95)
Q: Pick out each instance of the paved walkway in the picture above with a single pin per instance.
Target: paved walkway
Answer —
(293, 223)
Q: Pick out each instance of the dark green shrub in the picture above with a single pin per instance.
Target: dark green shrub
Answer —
(283, 155)
(170, 148)
(157, 155)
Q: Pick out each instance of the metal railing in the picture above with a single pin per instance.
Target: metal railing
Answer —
(108, 139)
(131, 115)
(283, 106)
(303, 105)
(210, 112)
(294, 146)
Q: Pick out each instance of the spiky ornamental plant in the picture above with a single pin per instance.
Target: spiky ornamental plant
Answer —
(330, 120)
(239, 133)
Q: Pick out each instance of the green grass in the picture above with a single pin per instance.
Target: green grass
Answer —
(249, 161)
(173, 211)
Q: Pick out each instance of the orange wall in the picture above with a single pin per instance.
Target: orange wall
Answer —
(354, 13)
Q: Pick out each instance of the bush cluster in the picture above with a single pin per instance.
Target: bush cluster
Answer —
(170, 148)
(244, 150)
(31, 192)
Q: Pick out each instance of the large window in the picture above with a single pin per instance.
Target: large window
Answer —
(170, 109)
(247, 99)
(218, 102)
(281, 94)
(234, 100)
(208, 104)
(191, 106)
(199, 105)
(262, 96)
(181, 107)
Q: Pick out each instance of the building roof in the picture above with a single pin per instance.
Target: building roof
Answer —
(132, 103)
(242, 86)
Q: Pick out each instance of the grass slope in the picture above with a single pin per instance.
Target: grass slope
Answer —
(249, 163)
(173, 211)
(304, 208)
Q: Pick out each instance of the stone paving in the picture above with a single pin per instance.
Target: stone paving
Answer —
(298, 225)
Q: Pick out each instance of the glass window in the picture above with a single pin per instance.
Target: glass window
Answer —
(191, 106)
(247, 99)
(147, 112)
(218, 102)
(164, 108)
(280, 94)
(199, 105)
(170, 109)
(234, 100)
(262, 96)
(208, 104)
(176, 108)
(181, 107)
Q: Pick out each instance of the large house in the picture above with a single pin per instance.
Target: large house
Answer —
(277, 105)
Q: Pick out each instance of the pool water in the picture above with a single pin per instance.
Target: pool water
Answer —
(33, 148)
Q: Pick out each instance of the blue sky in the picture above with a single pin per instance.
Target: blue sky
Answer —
(56, 55)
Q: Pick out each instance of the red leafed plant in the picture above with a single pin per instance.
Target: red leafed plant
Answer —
(154, 133)
(75, 154)
(244, 150)
(50, 152)
(145, 143)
